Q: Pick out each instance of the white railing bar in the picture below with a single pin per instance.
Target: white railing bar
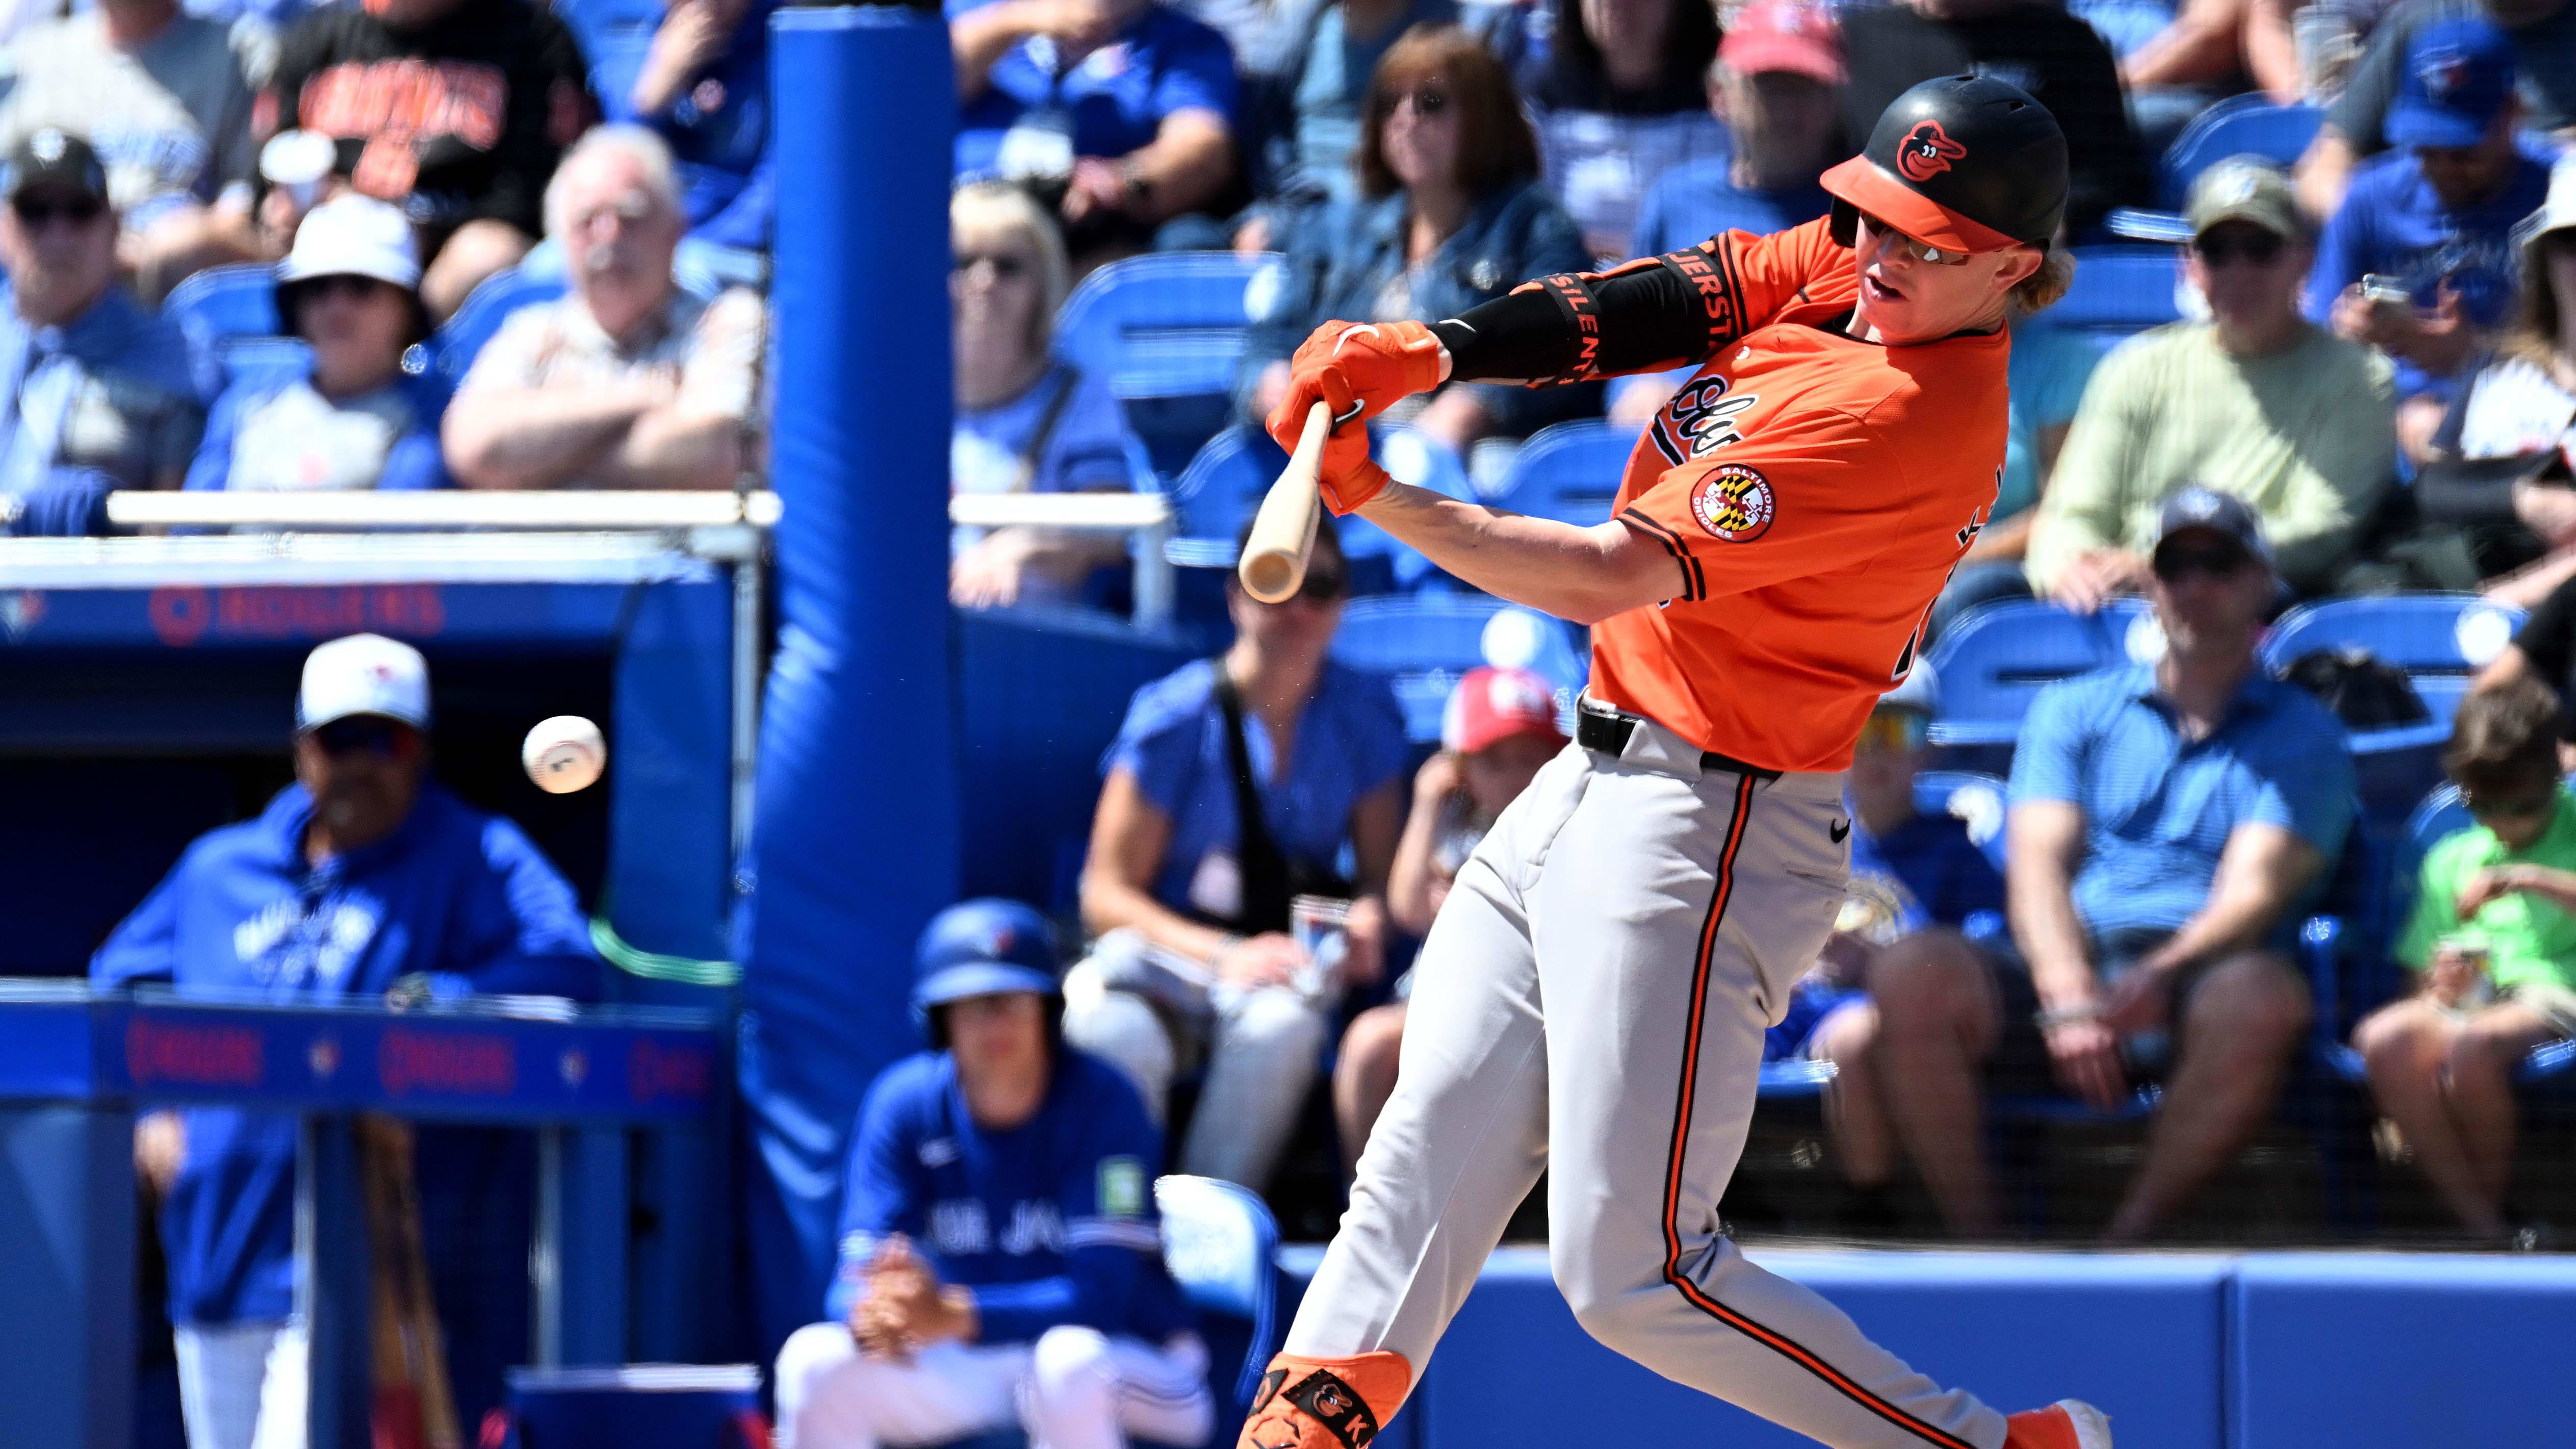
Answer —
(444, 508)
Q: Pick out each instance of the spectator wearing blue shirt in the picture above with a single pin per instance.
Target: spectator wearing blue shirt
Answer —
(1129, 107)
(2436, 216)
(352, 418)
(1027, 422)
(361, 880)
(1619, 99)
(703, 86)
(1450, 213)
(1776, 86)
(2166, 821)
(1917, 883)
(1234, 786)
(1001, 1261)
(96, 393)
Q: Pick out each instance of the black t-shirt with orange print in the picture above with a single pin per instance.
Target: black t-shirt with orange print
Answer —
(461, 119)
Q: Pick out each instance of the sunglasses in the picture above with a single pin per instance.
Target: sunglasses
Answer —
(383, 738)
(1893, 730)
(344, 285)
(1005, 265)
(2524, 806)
(1921, 251)
(2256, 247)
(2181, 561)
(79, 211)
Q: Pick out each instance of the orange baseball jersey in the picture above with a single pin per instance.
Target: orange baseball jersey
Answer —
(1815, 492)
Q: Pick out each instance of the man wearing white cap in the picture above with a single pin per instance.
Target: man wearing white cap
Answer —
(353, 418)
(363, 878)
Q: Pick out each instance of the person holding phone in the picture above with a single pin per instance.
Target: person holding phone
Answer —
(2492, 941)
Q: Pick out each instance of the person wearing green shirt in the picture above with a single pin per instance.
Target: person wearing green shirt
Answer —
(2257, 402)
(2492, 944)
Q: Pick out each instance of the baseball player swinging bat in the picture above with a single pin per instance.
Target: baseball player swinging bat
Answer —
(1273, 565)
(1592, 996)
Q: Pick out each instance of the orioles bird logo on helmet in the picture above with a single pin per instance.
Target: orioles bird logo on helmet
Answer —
(1926, 152)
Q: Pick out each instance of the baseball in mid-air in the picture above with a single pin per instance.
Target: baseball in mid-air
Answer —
(564, 754)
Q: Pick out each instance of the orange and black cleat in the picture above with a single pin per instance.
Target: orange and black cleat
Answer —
(1326, 1403)
(2066, 1424)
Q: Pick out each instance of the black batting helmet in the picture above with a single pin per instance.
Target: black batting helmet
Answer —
(1964, 162)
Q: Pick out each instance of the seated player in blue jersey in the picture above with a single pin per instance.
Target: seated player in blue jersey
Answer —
(1919, 887)
(1001, 1261)
(363, 879)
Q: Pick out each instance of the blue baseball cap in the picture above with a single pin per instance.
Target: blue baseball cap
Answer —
(2200, 508)
(2457, 78)
(983, 948)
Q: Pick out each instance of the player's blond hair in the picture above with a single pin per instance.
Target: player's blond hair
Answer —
(2042, 288)
(1000, 206)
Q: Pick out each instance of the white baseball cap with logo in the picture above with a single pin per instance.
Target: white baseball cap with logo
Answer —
(354, 236)
(363, 674)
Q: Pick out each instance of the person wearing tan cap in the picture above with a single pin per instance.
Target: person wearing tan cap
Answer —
(2257, 402)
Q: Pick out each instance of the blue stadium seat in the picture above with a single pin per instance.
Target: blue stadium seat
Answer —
(1568, 472)
(1995, 659)
(2119, 290)
(227, 313)
(2276, 133)
(221, 303)
(1222, 1247)
(1423, 642)
(1167, 330)
(486, 308)
(2440, 640)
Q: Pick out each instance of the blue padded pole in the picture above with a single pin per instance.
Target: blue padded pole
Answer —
(854, 844)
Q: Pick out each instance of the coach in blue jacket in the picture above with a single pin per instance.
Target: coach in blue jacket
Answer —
(361, 878)
(1001, 1260)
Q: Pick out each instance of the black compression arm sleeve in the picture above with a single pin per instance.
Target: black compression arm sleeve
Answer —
(1661, 312)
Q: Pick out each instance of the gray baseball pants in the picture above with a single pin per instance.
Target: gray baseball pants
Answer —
(1592, 998)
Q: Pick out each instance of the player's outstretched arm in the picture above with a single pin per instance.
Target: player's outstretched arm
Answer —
(1675, 310)
(1584, 575)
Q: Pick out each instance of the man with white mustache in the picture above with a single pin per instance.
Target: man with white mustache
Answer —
(628, 381)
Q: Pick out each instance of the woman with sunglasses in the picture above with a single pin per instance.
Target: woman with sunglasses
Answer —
(1234, 787)
(1450, 213)
(1027, 421)
(1594, 991)
(350, 416)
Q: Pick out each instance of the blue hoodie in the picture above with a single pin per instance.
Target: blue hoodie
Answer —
(453, 894)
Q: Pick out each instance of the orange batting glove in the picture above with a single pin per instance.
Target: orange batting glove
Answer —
(1357, 370)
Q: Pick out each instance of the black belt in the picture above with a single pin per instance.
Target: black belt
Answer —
(1607, 730)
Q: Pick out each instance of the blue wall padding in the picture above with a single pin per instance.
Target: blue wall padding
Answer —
(2361, 1350)
(2138, 1336)
(668, 868)
(855, 844)
(1044, 692)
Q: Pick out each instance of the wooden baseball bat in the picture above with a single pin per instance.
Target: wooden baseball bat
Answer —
(414, 1404)
(1283, 532)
